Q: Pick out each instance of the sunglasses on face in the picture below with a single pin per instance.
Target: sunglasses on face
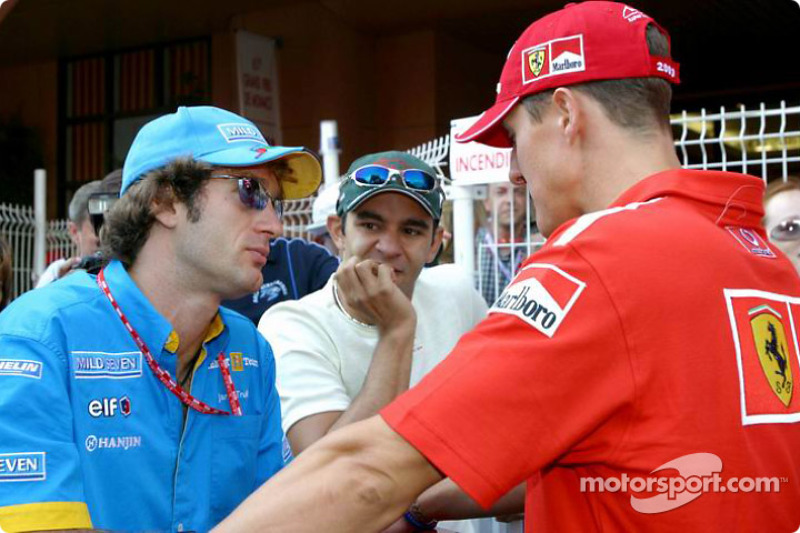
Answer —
(377, 175)
(253, 194)
(786, 230)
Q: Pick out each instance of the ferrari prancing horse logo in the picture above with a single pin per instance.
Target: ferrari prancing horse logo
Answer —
(771, 346)
(536, 61)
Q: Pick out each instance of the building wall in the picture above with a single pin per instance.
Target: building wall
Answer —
(390, 90)
(30, 95)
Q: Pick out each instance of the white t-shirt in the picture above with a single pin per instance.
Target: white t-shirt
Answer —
(322, 356)
(50, 273)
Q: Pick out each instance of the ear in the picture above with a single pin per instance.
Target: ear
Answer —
(570, 113)
(334, 224)
(436, 243)
(73, 230)
(168, 212)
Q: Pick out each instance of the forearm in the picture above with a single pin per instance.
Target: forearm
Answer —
(446, 501)
(388, 376)
(357, 480)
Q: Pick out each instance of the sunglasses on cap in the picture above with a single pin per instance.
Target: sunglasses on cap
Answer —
(253, 194)
(378, 175)
(787, 230)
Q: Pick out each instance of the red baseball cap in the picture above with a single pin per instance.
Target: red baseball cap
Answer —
(582, 42)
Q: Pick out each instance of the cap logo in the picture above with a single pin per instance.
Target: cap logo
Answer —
(240, 132)
(559, 56)
(536, 61)
(632, 15)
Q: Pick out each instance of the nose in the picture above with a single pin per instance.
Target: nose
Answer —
(388, 244)
(514, 174)
(267, 221)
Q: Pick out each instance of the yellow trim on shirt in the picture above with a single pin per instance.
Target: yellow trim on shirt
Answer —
(45, 516)
(214, 330)
(173, 342)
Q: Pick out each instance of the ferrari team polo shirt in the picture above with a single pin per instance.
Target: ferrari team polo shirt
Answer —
(648, 342)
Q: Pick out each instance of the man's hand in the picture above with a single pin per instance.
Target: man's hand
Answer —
(368, 291)
(68, 266)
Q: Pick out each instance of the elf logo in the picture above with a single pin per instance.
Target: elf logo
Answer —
(108, 407)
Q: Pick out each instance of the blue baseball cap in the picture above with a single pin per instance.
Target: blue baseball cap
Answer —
(220, 138)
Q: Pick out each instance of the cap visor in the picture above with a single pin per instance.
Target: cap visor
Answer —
(306, 170)
(488, 128)
(374, 191)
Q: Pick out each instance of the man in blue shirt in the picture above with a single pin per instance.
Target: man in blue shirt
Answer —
(130, 400)
(294, 268)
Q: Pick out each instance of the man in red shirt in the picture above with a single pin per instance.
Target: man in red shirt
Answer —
(639, 371)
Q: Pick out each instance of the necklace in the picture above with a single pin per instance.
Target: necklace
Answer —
(341, 307)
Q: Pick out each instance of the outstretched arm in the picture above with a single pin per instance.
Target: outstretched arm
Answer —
(357, 479)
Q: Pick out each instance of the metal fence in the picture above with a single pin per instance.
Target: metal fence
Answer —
(18, 228)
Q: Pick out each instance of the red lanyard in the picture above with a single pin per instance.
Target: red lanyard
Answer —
(163, 375)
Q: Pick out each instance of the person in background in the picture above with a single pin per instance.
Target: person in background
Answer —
(501, 243)
(6, 273)
(81, 233)
(324, 206)
(782, 217)
(294, 268)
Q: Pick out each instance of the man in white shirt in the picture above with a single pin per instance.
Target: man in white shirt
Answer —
(378, 326)
(81, 233)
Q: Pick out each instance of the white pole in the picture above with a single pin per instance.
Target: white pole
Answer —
(463, 227)
(40, 216)
(329, 148)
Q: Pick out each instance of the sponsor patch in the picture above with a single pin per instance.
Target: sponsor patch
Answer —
(109, 407)
(26, 466)
(242, 395)
(559, 56)
(21, 367)
(271, 291)
(235, 132)
(751, 241)
(767, 356)
(541, 295)
(632, 15)
(237, 365)
(117, 442)
(102, 365)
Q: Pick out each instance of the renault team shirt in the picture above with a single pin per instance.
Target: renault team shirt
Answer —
(640, 372)
(89, 437)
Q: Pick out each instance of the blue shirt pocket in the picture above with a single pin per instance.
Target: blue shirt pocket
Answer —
(234, 458)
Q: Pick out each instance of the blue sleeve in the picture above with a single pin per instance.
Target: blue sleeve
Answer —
(271, 445)
(323, 265)
(41, 485)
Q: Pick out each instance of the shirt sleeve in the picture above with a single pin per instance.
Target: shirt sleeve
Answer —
(41, 486)
(544, 379)
(50, 273)
(308, 380)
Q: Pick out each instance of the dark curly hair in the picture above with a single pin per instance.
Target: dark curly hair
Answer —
(127, 224)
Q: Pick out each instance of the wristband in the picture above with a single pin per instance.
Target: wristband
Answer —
(418, 520)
